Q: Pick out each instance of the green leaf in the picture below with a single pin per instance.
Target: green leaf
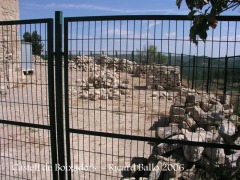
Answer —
(191, 4)
(178, 2)
(191, 14)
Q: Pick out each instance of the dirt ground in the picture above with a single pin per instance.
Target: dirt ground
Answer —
(92, 157)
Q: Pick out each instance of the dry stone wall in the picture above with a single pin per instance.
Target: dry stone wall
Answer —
(10, 68)
(103, 62)
(163, 77)
(157, 76)
(104, 85)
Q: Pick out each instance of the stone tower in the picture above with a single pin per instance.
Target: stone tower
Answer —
(10, 66)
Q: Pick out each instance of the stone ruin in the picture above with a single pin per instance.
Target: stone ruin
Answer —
(103, 86)
(157, 76)
(10, 68)
(163, 77)
(103, 62)
(194, 116)
(84, 63)
(199, 117)
(118, 64)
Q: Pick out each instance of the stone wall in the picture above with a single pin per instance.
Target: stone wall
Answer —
(158, 77)
(163, 77)
(9, 45)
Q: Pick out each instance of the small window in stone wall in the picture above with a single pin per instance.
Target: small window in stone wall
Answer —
(26, 51)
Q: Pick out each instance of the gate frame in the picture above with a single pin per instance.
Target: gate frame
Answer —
(59, 130)
(124, 136)
(51, 89)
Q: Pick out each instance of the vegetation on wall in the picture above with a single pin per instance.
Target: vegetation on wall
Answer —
(35, 39)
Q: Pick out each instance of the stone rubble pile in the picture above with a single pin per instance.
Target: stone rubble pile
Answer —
(163, 77)
(103, 62)
(157, 76)
(103, 86)
(140, 70)
(122, 65)
(84, 63)
(199, 117)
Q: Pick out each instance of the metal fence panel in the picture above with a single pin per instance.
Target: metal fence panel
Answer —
(138, 92)
(138, 95)
(27, 111)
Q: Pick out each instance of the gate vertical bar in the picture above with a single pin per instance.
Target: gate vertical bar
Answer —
(193, 72)
(59, 92)
(51, 98)
(66, 96)
(169, 59)
(208, 74)
(181, 68)
(225, 76)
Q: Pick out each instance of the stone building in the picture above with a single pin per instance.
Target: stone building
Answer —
(10, 66)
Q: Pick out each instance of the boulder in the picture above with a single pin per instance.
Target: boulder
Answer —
(192, 153)
(192, 98)
(164, 148)
(189, 174)
(94, 97)
(156, 171)
(165, 132)
(224, 99)
(198, 114)
(204, 162)
(126, 81)
(104, 96)
(85, 95)
(216, 108)
(154, 94)
(213, 99)
(190, 122)
(205, 106)
(233, 160)
(178, 111)
(180, 101)
(178, 118)
(160, 88)
(216, 155)
(227, 130)
(125, 91)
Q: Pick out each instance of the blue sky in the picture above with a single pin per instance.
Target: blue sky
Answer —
(150, 29)
(46, 8)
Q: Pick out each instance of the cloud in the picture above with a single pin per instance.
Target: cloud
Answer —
(226, 38)
(170, 35)
(127, 34)
(153, 24)
(101, 8)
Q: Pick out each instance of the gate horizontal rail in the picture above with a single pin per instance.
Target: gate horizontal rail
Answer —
(152, 139)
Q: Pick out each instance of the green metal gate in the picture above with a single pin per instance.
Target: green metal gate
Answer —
(27, 113)
(109, 134)
(124, 95)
